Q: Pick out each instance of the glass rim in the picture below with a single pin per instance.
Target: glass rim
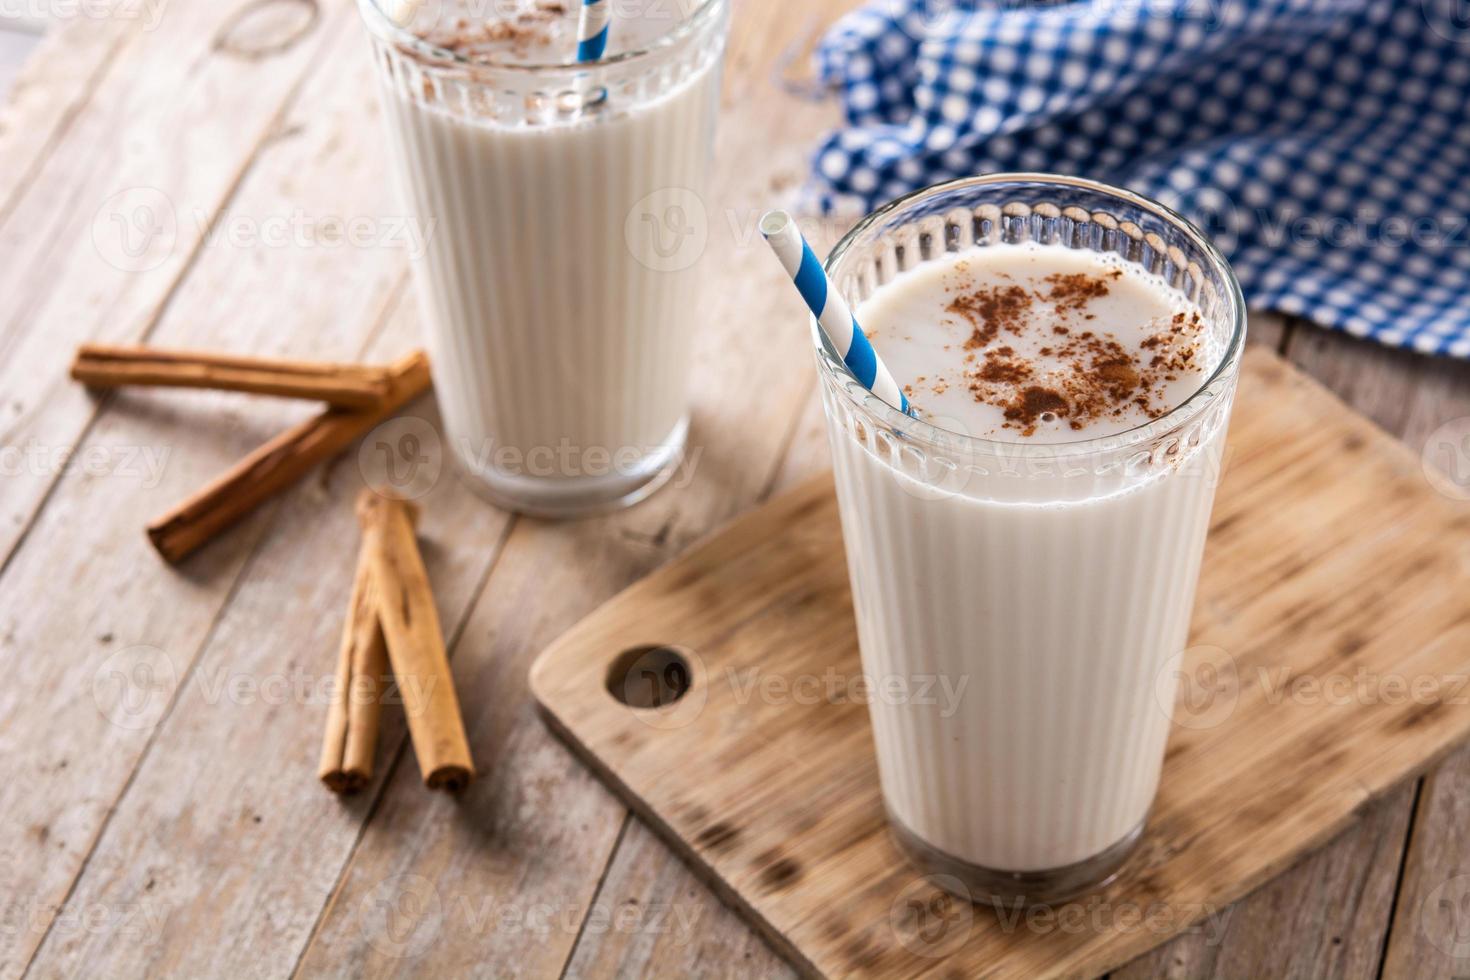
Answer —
(837, 371)
(384, 27)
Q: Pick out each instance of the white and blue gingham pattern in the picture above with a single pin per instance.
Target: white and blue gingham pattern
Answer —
(1324, 144)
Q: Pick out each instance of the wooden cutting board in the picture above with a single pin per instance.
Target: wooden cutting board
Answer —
(1329, 661)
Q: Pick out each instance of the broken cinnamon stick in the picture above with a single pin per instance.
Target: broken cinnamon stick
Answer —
(359, 386)
(415, 641)
(278, 464)
(362, 670)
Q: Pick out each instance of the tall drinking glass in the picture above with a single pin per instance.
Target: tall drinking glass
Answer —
(1050, 584)
(556, 283)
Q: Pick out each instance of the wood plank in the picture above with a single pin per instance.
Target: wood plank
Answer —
(1412, 396)
(536, 831)
(1431, 920)
(209, 584)
(654, 918)
(124, 607)
(645, 871)
(1326, 917)
(799, 823)
(50, 91)
(808, 454)
(137, 164)
(1409, 396)
(224, 842)
(532, 834)
(1269, 330)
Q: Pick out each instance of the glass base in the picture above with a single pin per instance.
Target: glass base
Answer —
(576, 496)
(989, 885)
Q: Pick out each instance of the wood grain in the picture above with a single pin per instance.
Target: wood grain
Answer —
(1343, 895)
(806, 455)
(654, 918)
(222, 849)
(1289, 591)
(99, 235)
(53, 86)
(108, 816)
(1326, 917)
(535, 833)
(232, 897)
(1411, 397)
(1431, 921)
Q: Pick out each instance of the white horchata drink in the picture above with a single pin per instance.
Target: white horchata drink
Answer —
(561, 204)
(1029, 543)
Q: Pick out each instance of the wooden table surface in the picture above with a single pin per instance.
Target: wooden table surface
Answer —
(174, 174)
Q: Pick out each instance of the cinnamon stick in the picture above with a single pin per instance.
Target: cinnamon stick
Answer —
(415, 641)
(278, 464)
(359, 386)
(362, 668)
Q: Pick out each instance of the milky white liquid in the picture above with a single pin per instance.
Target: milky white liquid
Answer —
(560, 333)
(1052, 605)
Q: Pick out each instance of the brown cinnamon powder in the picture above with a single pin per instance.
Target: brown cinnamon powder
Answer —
(991, 310)
(1072, 291)
(515, 32)
(1098, 377)
(1004, 369)
(1032, 403)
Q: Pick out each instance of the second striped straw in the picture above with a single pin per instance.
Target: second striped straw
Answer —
(833, 314)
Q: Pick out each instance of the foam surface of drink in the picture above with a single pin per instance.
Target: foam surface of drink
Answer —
(530, 32)
(1040, 343)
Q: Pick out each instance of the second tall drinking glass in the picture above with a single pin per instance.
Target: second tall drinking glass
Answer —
(556, 201)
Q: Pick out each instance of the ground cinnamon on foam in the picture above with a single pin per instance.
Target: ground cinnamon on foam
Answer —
(1099, 379)
(515, 32)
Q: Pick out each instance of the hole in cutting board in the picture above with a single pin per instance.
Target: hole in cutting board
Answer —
(649, 676)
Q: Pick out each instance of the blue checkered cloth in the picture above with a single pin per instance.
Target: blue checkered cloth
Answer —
(1324, 144)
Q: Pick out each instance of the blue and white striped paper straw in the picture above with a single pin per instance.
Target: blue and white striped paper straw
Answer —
(592, 30)
(831, 310)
